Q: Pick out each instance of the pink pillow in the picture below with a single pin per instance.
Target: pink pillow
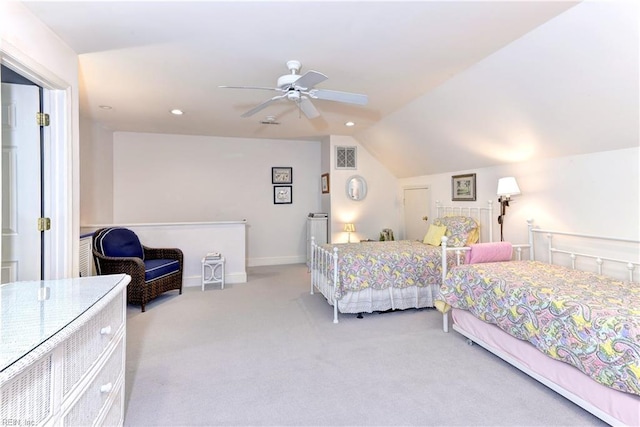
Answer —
(489, 252)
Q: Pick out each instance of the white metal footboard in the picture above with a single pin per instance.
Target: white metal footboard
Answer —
(325, 277)
(323, 265)
(324, 274)
(459, 252)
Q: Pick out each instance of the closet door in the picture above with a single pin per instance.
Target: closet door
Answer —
(417, 202)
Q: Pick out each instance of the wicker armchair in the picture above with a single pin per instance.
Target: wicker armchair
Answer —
(153, 271)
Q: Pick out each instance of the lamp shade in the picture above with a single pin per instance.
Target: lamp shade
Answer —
(508, 186)
(349, 227)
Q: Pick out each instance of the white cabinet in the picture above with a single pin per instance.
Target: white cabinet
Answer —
(316, 228)
(62, 359)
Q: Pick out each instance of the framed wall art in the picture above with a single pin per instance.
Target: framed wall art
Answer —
(325, 183)
(283, 194)
(282, 175)
(463, 188)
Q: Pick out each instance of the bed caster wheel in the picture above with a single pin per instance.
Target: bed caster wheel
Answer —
(359, 316)
(469, 342)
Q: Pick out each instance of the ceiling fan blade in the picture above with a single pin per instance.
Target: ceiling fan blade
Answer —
(308, 108)
(251, 87)
(262, 106)
(334, 95)
(309, 80)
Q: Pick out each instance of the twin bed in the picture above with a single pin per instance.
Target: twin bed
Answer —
(561, 321)
(394, 275)
(576, 331)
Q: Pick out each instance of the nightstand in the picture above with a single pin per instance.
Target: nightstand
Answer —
(213, 271)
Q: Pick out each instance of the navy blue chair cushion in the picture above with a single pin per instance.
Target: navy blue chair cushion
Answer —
(118, 242)
(158, 268)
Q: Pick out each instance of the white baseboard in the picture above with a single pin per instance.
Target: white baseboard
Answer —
(196, 280)
(257, 262)
(228, 279)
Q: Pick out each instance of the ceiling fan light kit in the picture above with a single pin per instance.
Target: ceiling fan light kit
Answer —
(300, 89)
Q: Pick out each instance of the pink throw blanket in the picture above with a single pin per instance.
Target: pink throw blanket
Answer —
(488, 252)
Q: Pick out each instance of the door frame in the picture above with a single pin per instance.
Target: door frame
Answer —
(58, 154)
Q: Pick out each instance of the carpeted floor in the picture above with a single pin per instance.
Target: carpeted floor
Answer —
(266, 353)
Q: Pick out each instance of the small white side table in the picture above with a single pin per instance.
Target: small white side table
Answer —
(213, 271)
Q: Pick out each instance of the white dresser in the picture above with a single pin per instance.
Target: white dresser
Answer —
(316, 228)
(62, 351)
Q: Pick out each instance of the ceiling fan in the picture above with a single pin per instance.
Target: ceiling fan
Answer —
(300, 89)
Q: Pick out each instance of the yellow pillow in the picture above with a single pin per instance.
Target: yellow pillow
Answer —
(434, 234)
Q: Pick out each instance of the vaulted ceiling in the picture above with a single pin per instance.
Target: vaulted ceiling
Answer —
(435, 73)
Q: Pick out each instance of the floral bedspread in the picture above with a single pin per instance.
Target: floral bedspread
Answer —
(379, 265)
(589, 321)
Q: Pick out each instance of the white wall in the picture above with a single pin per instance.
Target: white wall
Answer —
(96, 173)
(194, 241)
(32, 49)
(594, 193)
(381, 208)
(161, 178)
(179, 178)
(568, 87)
(325, 167)
(572, 82)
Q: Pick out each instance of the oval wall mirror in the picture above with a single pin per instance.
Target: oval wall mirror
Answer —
(356, 188)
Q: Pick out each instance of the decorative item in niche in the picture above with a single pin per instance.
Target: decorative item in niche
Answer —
(282, 194)
(282, 175)
(463, 187)
(325, 183)
(386, 235)
(356, 188)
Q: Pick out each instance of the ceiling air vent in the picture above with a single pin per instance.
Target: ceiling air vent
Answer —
(269, 120)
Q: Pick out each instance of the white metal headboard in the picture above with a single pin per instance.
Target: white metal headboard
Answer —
(483, 214)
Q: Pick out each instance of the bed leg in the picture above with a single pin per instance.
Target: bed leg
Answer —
(445, 322)
(335, 312)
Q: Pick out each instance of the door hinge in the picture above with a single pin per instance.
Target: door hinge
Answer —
(44, 224)
(42, 119)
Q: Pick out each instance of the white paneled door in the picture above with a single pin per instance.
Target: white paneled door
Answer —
(416, 206)
(21, 197)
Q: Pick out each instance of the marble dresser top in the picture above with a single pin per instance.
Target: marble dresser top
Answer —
(32, 312)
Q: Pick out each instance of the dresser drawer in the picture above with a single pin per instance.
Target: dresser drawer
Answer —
(87, 407)
(84, 346)
(115, 416)
(25, 400)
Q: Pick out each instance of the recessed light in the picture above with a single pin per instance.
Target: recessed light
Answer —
(349, 124)
(177, 112)
(105, 107)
